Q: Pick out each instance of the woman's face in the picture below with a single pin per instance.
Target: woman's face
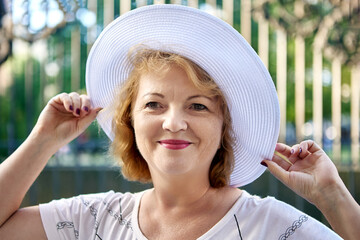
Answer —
(177, 127)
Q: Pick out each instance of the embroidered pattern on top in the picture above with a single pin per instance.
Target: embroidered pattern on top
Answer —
(297, 224)
(67, 224)
(117, 216)
(94, 212)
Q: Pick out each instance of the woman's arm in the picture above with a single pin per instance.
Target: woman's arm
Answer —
(314, 177)
(62, 120)
(19, 171)
(341, 210)
(24, 224)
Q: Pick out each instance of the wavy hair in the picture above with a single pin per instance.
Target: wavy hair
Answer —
(124, 149)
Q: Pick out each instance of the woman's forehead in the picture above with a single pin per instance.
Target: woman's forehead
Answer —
(173, 79)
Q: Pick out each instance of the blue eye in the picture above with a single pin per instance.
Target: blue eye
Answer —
(198, 107)
(152, 105)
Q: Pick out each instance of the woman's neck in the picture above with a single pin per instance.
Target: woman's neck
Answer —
(182, 197)
(181, 190)
(163, 210)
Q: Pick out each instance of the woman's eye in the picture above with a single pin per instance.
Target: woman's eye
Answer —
(152, 105)
(198, 107)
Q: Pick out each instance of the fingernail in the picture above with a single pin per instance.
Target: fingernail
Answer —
(86, 109)
(78, 111)
(71, 108)
(264, 164)
(300, 150)
(292, 151)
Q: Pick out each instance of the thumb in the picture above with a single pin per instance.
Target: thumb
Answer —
(277, 171)
(88, 119)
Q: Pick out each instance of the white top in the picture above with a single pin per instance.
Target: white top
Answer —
(115, 216)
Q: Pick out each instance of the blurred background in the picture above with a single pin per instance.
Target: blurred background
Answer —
(311, 48)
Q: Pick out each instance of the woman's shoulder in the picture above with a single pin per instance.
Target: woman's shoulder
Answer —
(103, 197)
(104, 201)
(262, 207)
(279, 218)
(89, 214)
(108, 197)
(264, 203)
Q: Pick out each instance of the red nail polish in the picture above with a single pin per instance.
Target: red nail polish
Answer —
(78, 111)
(71, 108)
(86, 109)
(264, 164)
(300, 150)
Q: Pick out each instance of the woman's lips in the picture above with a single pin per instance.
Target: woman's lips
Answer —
(174, 144)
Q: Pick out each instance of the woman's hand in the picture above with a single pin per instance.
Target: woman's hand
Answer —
(312, 171)
(64, 118)
(314, 177)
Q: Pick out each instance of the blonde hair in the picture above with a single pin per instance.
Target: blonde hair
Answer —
(124, 148)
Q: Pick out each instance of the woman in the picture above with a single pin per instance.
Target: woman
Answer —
(196, 121)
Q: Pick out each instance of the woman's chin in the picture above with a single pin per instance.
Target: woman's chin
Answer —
(174, 167)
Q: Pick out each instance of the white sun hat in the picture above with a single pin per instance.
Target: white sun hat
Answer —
(217, 48)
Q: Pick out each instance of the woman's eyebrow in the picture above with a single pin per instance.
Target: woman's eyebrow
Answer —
(189, 98)
(200, 96)
(153, 94)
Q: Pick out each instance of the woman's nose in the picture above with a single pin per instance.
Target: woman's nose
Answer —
(174, 121)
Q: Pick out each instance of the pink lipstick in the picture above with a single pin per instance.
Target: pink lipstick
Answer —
(174, 144)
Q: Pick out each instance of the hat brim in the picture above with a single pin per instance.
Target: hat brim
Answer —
(216, 47)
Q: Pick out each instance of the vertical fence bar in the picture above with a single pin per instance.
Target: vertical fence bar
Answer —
(92, 6)
(212, 3)
(101, 174)
(28, 78)
(159, 1)
(10, 127)
(60, 55)
(228, 7)
(336, 109)
(273, 184)
(55, 182)
(100, 17)
(42, 79)
(125, 6)
(193, 3)
(75, 59)
(299, 87)
(179, 2)
(264, 40)
(317, 94)
(281, 69)
(245, 21)
(299, 76)
(29, 108)
(5, 76)
(79, 179)
(2, 77)
(355, 78)
(108, 11)
(83, 55)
